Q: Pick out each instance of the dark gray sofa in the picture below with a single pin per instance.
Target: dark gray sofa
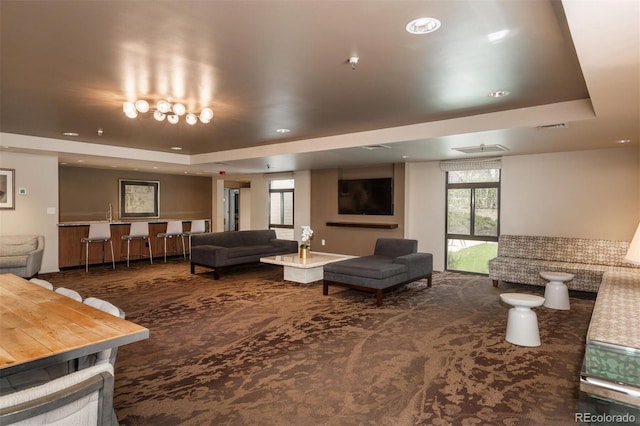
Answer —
(395, 262)
(217, 250)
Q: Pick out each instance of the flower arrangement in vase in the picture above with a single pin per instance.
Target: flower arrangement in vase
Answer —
(305, 244)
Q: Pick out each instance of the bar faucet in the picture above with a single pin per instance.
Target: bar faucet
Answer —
(110, 213)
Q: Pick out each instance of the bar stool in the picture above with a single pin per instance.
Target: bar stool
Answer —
(174, 230)
(197, 227)
(138, 230)
(98, 233)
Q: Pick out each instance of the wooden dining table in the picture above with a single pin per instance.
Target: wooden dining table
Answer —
(39, 327)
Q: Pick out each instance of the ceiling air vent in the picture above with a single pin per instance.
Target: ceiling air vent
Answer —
(553, 126)
(374, 147)
(481, 149)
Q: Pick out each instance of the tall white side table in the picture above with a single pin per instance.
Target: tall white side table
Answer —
(522, 322)
(556, 293)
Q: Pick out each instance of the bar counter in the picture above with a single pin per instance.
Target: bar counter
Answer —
(71, 251)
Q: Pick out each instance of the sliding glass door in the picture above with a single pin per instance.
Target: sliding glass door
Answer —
(473, 219)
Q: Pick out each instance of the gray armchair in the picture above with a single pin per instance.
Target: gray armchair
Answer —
(21, 255)
(395, 262)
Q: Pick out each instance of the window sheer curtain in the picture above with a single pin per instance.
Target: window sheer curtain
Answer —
(470, 164)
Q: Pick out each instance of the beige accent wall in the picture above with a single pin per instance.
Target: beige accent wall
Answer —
(36, 213)
(324, 208)
(85, 194)
(302, 204)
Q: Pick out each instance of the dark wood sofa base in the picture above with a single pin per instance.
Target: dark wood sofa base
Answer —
(378, 291)
(216, 271)
(219, 269)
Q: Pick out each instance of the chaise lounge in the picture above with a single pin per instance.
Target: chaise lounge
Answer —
(395, 262)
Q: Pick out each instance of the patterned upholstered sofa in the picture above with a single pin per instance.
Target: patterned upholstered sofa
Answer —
(611, 368)
(521, 258)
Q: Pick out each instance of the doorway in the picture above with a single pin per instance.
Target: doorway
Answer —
(231, 209)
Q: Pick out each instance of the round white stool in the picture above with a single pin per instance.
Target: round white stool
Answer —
(556, 293)
(522, 323)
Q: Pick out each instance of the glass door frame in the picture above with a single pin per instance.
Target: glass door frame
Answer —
(471, 236)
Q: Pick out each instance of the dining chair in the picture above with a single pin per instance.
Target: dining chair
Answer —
(79, 398)
(69, 293)
(42, 283)
(138, 230)
(174, 230)
(197, 227)
(107, 355)
(98, 233)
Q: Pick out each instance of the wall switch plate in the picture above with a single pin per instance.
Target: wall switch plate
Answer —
(322, 242)
(51, 210)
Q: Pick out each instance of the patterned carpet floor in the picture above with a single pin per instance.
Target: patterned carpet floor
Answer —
(252, 349)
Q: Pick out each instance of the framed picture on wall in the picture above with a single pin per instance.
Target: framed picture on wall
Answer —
(139, 199)
(7, 189)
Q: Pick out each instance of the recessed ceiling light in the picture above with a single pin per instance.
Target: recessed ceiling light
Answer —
(176, 148)
(283, 130)
(623, 141)
(80, 161)
(375, 147)
(71, 134)
(499, 94)
(423, 25)
(498, 35)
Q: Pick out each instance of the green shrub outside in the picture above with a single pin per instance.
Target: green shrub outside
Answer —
(458, 223)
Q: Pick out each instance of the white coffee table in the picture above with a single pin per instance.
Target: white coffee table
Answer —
(556, 293)
(301, 270)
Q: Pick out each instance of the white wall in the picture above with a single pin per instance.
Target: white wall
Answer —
(425, 209)
(245, 209)
(37, 174)
(217, 208)
(586, 194)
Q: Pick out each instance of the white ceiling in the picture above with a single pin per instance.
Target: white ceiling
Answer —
(68, 66)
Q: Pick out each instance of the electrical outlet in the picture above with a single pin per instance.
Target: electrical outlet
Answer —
(323, 242)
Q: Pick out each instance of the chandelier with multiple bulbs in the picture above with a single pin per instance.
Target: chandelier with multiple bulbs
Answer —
(165, 109)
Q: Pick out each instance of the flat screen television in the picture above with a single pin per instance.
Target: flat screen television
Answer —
(365, 196)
